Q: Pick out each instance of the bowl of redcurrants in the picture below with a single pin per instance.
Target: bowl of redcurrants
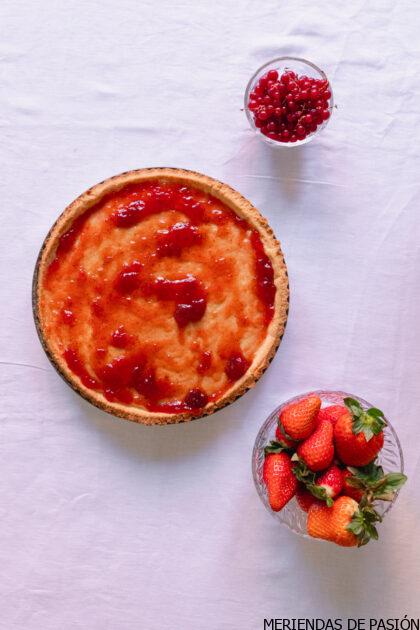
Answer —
(288, 101)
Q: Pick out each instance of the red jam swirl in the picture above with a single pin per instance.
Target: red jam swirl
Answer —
(130, 215)
(205, 362)
(68, 316)
(129, 278)
(180, 236)
(236, 366)
(132, 376)
(196, 399)
(188, 294)
(120, 338)
(266, 288)
(76, 366)
(68, 238)
(118, 377)
(157, 200)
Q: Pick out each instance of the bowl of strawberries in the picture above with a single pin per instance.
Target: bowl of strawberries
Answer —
(328, 465)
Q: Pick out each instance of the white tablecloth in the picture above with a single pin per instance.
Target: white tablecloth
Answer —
(106, 525)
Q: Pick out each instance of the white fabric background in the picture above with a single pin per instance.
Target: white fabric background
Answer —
(105, 525)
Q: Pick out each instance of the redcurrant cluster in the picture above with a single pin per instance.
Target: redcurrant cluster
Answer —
(289, 107)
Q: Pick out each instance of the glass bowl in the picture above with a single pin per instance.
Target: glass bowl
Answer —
(390, 458)
(301, 67)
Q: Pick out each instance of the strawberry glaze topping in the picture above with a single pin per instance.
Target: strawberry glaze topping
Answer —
(123, 365)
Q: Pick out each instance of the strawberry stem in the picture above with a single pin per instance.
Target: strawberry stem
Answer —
(274, 447)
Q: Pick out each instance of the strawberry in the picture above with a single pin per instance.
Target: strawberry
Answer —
(305, 498)
(279, 479)
(317, 451)
(299, 419)
(331, 481)
(349, 490)
(282, 438)
(328, 485)
(358, 434)
(331, 413)
(331, 523)
(281, 443)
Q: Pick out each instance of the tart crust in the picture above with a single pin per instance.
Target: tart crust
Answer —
(244, 209)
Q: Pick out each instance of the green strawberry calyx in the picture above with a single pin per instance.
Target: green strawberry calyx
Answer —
(277, 446)
(362, 524)
(375, 483)
(274, 447)
(370, 422)
(308, 478)
(301, 471)
(320, 493)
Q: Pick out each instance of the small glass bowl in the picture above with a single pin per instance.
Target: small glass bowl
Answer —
(301, 67)
(390, 458)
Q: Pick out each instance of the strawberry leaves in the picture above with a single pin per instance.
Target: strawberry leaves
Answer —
(376, 485)
(362, 524)
(308, 478)
(320, 493)
(365, 476)
(371, 479)
(301, 471)
(390, 484)
(370, 422)
(274, 447)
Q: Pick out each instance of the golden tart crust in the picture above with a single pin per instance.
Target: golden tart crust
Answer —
(230, 199)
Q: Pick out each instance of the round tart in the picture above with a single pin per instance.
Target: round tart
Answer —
(160, 295)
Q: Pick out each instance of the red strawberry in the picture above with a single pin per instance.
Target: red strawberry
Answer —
(331, 413)
(348, 490)
(358, 434)
(282, 438)
(318, 450)
(326, 487)
(331, 481)
(279, 479)
(332, 523)
(299, 418)
(306, 498)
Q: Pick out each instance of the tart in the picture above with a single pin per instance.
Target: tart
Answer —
(160, 295)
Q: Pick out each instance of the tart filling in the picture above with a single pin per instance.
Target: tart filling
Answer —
(157, 297)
